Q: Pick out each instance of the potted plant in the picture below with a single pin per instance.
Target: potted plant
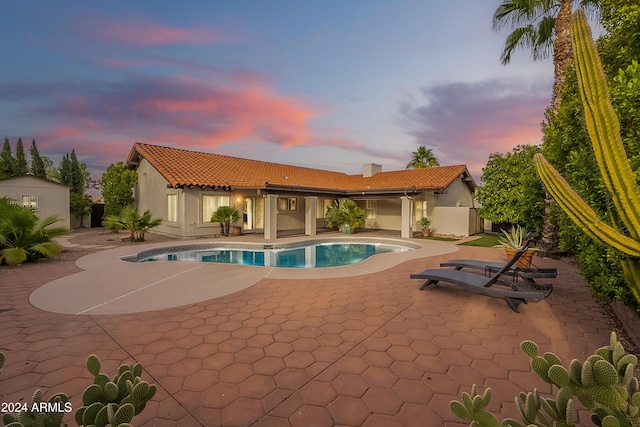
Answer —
(225, 215)
(515, 240)
(424, 224)
(346, 216)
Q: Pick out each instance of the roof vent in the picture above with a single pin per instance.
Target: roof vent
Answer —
(371, 169)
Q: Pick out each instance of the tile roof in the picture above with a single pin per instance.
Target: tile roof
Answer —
(191, 168)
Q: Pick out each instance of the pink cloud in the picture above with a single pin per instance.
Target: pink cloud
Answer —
(466, 122)
(147, 33)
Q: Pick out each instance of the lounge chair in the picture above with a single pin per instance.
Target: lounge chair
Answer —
(526, 274)
(498, 284)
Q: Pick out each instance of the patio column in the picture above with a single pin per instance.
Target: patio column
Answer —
(406, 231)
(271, 217)
(310, 214)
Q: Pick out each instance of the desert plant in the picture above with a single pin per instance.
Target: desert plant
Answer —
(106, 402)
(345, 216)
(225, 215)
(604, 384)
(23, 238)
(516, 238)
(424, 222)
(130, 219)
(604, 131)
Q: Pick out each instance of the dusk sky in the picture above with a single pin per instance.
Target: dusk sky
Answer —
(331, 84)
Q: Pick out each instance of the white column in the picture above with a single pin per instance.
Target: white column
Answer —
(406, 231)
(271, 217)
(310, 213)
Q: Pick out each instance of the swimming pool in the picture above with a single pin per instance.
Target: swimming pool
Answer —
(303, 255)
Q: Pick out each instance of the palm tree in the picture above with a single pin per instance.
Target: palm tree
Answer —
(130, 219)
(422, 158)
(225, 215)
(542, 26)
(23, 237)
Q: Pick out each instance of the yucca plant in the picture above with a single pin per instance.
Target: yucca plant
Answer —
(23, 237)
(623, 230)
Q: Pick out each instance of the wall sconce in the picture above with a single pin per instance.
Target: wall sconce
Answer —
(238, 199)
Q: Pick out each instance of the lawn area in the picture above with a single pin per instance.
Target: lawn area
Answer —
(486, 240)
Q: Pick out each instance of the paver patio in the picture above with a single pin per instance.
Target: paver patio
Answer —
(368, 350)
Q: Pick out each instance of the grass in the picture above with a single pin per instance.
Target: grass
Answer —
(486, 240)
(443, 239)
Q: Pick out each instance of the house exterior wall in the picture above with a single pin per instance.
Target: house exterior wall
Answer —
(457, 194)
(53, 198)
(387, 214)
(455, 221)
(151, 193)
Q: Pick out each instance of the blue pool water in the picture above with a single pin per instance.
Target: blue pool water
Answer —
(312, 256)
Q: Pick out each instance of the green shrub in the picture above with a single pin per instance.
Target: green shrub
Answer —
(23, 237)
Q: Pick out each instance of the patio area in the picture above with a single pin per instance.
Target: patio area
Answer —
(363, 350)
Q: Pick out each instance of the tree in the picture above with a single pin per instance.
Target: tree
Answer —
(512, 192)
(6, 160)
(20, 167)
(422, 158)
(78, 177)
(225, 215)
(542, 26)
(117, 188)
(81, 206)
(38, 168)
(620, 228)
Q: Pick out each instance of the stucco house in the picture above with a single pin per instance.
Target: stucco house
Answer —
(46, 197)
(184, 188)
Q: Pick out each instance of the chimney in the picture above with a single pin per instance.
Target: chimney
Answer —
(371, 169)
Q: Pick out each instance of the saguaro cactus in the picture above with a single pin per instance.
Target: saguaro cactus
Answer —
(603, 127)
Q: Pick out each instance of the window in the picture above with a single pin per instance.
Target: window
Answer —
(30, 200)
(211, 203)
(172, 207)
(287, 204)
(321, 207)
(370, 209)
(420, 209)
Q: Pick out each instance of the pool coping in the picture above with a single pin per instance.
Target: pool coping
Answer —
(109, 285)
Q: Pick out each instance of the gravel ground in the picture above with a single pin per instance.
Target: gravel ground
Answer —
(101, 238)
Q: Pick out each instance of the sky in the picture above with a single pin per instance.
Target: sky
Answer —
(332, 84)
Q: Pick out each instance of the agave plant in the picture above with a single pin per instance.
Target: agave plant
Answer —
(23, 237)
(516, 238)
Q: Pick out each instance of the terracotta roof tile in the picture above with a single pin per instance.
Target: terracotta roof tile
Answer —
(191, 168)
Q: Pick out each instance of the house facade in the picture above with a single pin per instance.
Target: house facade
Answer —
(46, 197)
(185, 188)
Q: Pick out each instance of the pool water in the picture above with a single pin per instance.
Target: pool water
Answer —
(313, 256)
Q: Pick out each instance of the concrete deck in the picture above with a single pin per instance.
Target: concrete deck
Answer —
(110, 285)
(362, 350)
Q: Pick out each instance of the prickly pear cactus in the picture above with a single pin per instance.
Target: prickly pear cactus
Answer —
(34, 417)
(604, 384)
(106, 402)
(114, 401)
